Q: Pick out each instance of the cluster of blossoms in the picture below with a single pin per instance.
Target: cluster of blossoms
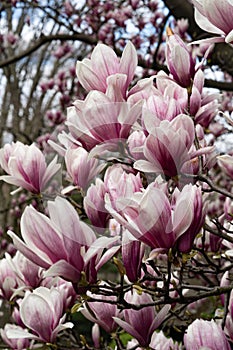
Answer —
(137, 163)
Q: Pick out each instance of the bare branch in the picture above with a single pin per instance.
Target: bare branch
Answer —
(45, 39)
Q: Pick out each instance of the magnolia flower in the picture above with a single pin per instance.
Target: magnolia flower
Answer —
(80, 167)
(180, 62)
(168, 145)
(205, 334)
(42, 312)
(132, 252)
(95, 72)
(62, 243)
(141, 323)
(215, 16)
(160, 342)
(99, 120)
(153, 220)
(26, 167)
(9, 281)
(135, 142)
(17, 343)
(103, 312)
(94, 205)
(119, 183)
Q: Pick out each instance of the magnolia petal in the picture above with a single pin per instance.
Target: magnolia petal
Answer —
(129, 329)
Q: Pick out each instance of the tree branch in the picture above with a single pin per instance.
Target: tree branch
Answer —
(45, 39)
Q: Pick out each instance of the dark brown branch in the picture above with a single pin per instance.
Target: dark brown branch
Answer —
(45, 39)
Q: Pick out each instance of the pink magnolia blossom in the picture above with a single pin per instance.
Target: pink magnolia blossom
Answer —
(99, 120)
(62, 243)
(93, 73)
(135, 142)
(8, 279)
(180, 62)
(215, 16)
(141, 323)
(167, 147)
(17, 274)
(80, 167)
(142, 90)
(152, 219)
(206, 334)
(15, 343)
(103, 312)
(94, 205)
(132, 252)
(165, 107)
(160, 342)
(27, 274)
(26, 166)
(119, 183)
(202, 106)
(42, 312)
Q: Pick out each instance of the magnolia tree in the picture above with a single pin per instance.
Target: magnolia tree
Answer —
(125, 222)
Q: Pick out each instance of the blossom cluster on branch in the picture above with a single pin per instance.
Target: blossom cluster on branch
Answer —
(130, 226)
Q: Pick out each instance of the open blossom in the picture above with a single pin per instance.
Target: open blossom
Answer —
(215, 16)
(141, 323)
(62, 243)
(152, 219)
(80, 167)
(15, 343)
(26, 166)
(99, 120)
(160, 342)
(17, 273)
(93, 73)
(119, 183)
(8, 279)
(168, 145)
(205, 334)
(42, 312)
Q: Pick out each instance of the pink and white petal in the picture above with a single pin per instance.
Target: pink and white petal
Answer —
(36, 256)
(17, 182)
(35, 314)
(51, 170)
(105, 61)
(229, 37)
(183, 212)
(129, 329)
(88, 78)
(61, 327)
(159, 318)
(147, 167)
(98, 246)
(69, 223)
(129, 61)
(40, 233)
(107, 256)
(20, 334)
(205, 24)
(63, 269)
